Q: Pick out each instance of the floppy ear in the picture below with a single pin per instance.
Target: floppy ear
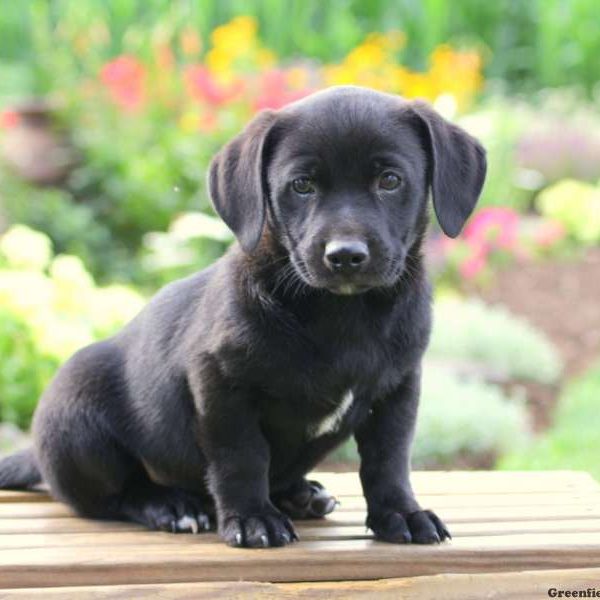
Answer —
(237, 181)
(457, 169)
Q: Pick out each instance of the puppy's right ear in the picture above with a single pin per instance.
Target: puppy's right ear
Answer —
(237, 181)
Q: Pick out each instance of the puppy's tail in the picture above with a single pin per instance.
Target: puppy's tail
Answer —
(19, 470)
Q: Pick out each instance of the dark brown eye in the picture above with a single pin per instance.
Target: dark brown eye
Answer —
(303, 185)
(389, 181)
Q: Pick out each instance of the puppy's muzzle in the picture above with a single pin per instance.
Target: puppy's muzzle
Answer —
(346, 257)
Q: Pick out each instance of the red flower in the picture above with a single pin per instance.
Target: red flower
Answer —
(124, 77)
(274, 91)
(202, 86)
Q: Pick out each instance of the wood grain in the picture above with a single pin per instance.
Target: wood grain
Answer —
(503, 524)
(516, 586)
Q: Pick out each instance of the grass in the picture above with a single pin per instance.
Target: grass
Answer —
(573, 442)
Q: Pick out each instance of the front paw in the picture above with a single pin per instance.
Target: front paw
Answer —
(259, 530)
(419, 527)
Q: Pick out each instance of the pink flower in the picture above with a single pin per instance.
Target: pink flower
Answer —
(124, 77)
(202, 85)
(8, 119)
(493, 227)
(274, 91)
(473, 265)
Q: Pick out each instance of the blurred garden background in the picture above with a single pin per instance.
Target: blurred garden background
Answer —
(111, 109)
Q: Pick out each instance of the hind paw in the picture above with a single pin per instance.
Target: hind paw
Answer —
(169, 510)
(308, 500)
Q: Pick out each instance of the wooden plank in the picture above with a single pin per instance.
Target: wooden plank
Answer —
(64, 525)
(23, 496)
(56, 542)
(356, 501)
(576, 509)
(488, 514)
(519, 585)
(321, 528)
(487, 500)
(309, 561)
(325, 526)
(468, 482)
(431, 483)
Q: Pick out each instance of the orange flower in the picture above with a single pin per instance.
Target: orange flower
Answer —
(190, 42)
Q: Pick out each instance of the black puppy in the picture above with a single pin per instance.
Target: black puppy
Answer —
(232, 384)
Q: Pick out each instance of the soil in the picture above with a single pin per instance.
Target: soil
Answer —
(559, 297)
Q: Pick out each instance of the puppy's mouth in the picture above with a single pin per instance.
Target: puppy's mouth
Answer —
(347, 289)
(344, 285)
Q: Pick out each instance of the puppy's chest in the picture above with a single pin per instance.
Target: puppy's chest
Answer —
(333, 420)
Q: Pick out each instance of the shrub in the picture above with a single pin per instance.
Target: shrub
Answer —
(49, 307)
(464, 420)
(493, 339)
(572, 442)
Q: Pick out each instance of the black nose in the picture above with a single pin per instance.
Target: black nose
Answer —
(346, 256)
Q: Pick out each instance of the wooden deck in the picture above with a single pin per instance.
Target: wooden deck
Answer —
(515, 536)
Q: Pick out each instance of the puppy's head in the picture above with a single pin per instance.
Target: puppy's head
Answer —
(342, 179)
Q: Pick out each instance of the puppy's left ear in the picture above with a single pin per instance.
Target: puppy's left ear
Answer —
(457, 168)
(237, 181)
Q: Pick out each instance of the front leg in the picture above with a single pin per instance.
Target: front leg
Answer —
(384, 441)
(238, 465)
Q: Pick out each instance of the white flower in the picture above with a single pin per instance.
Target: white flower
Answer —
(25, 248)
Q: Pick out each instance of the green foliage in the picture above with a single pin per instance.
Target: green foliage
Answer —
(24, 369)
(49, 308)
(572, 443)
(531, 44)
(492, 339)
(73, 227)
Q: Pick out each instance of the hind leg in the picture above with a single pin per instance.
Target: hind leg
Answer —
(86, 465)
(305, 500)
(100, 480)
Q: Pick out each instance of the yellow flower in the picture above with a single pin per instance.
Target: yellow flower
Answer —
(452, 76)
(236, 35)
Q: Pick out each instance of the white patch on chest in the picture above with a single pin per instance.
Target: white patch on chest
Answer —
(332, 421)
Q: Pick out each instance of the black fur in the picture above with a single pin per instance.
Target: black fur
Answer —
(212, 402)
